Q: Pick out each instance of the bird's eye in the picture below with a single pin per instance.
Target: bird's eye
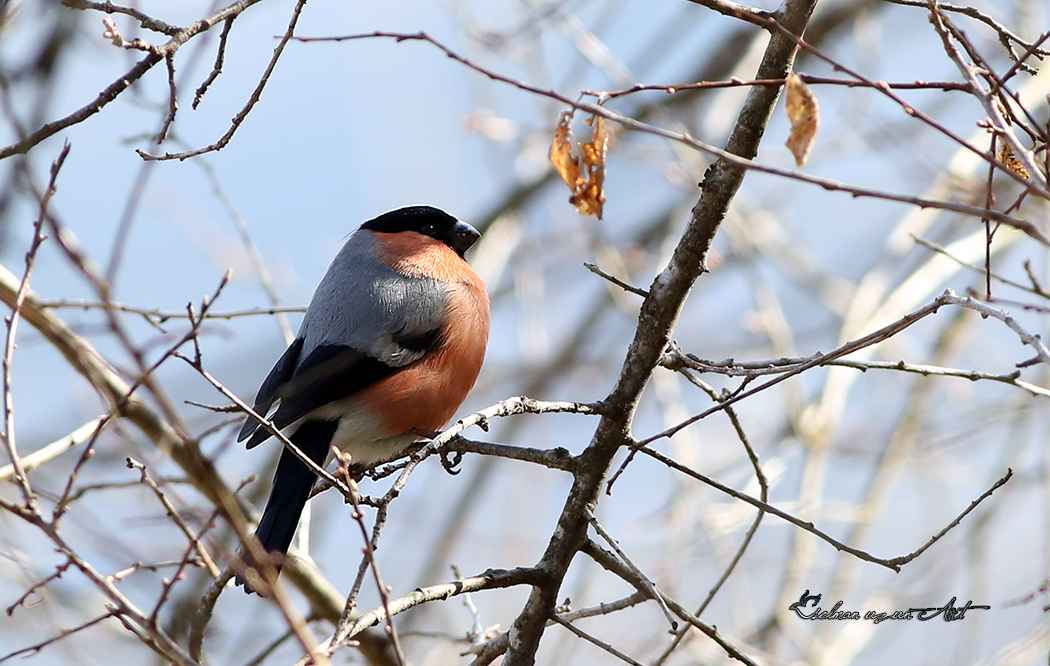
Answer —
(429, 230)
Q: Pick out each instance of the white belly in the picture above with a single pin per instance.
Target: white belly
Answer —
(362, 436)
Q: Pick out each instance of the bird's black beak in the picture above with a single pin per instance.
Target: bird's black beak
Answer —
(463, 236)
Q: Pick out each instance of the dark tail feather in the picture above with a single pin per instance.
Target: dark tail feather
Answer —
(291, 489)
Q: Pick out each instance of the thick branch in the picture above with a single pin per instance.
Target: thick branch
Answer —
(656, 320)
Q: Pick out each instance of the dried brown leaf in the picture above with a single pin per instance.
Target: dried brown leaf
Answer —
(1006, 156)
(804, 113)
(586, 181)
(561, 155)
(589, 199)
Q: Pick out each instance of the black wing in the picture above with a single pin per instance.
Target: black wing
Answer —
(331, 373)
(280, 373)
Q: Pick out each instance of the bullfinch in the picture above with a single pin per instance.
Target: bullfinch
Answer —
(391, 343)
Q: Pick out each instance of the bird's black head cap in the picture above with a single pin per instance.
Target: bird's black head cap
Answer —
(428, 221)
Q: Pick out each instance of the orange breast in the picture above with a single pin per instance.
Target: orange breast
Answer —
(426, 394)
(413, 253)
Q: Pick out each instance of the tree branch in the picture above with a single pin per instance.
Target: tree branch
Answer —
(656, 320)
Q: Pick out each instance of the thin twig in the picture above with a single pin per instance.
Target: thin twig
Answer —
(59, 570)
(947, 298)
(940, 249)
(763, 484)
(593, 641)
(220, 56)
(611, 563)
(752, 369)
(63, 503)
(734, 82)
(345, 460)
(729, 158)
(174, 514)
(37, 647)
(123, 82)
(161, 431)
(156, 566)
(173, 100)
(10, 443)
(993, 108)
(1033, 340)
(196, 364)
(904, 559)
(556, 458)
(49, 452)
(1006, 35)
(243, 113)
(894, 563)
(147, 22)
(650, 586)
(883, 333)
(122, 607)
(159, 315)
(606, 608)
(489, 580)
(618, 282)
(261, 269)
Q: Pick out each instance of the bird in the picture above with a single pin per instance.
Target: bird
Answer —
(390, 345)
